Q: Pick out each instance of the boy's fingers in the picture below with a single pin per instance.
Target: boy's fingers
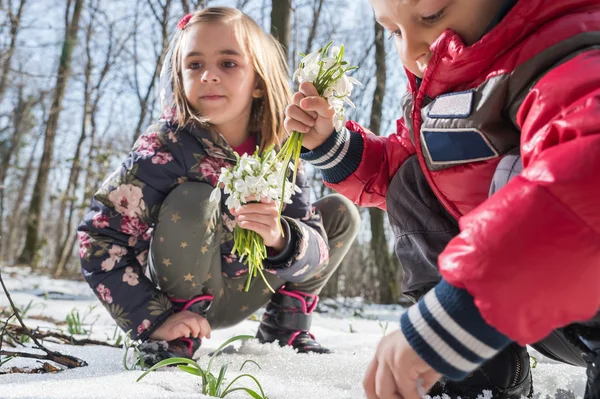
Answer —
(297, 98)
(294, 112)
(369, 380)
(385, 386)
(292, 125)
(318, 105)
(308, 89)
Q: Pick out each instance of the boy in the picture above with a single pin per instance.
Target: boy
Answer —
(491, 187)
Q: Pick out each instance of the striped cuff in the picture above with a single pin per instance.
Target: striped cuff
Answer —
(338, 157)
(446, 329)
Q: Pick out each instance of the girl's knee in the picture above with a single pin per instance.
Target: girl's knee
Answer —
(189, 200)
(340, 213)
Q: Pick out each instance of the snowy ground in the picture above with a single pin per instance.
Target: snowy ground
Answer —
(353, 334)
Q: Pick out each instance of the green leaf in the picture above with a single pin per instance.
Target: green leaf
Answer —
(220, 348)
(221, 378)
(211, 382)
(191, 370)
(8, 359)
(170, 362)
(247, 390)
(239, 377)
(251, 361)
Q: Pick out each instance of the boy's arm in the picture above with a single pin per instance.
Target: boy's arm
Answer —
(114, 236)
(360, 165)
(529, 257)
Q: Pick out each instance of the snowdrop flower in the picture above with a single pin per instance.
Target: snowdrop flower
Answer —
(328, 73)
(255, 176)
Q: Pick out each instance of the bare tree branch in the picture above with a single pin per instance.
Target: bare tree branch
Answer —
(65, 360)
(66, 339)
(15, 24)
(318, 5)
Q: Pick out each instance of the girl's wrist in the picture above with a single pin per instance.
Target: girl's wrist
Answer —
(278, 246)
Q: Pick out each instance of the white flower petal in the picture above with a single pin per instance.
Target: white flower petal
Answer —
(215, 195)
(354, 81)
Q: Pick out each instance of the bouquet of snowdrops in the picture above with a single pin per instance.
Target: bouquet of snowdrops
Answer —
(327, 72)
(252, 179)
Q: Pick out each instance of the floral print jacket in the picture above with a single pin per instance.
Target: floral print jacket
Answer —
(114, 237)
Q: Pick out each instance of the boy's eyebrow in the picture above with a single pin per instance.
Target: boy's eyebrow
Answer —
(225, 52)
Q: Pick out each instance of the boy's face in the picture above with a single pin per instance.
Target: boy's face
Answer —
(416, 24)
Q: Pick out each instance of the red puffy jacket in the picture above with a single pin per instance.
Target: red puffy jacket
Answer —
(529, 254)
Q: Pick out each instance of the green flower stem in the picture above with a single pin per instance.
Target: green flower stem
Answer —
(250, 247)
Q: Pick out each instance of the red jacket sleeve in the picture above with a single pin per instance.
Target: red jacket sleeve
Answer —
(381, 158)
(530, 255)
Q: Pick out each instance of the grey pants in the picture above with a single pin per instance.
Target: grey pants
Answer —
(186, 257)
(423, 228)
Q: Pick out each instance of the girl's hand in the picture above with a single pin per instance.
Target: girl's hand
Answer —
(262, 217)
(310, 114)
(182, 324)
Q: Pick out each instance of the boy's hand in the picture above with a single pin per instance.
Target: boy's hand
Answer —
(262, 217)
(310, 114)
(397, 371)
(182, 324)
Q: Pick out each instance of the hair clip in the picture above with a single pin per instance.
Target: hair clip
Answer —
(184, 21)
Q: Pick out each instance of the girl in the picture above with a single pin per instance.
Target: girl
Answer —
(224, 89)
(500, 132)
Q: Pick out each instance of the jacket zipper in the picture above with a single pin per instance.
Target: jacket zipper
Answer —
(418, 104)
(518, 367)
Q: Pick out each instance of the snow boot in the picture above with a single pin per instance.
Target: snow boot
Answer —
(287, 320)
(152, 352)
(507, 376)
(590, 337)
(592, 388)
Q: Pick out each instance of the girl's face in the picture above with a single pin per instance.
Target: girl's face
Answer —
(218, 79)
(416, 24)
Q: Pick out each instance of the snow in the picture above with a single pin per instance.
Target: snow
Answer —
(283, 374)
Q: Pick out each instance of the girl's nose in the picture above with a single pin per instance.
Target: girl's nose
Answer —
(209, 77)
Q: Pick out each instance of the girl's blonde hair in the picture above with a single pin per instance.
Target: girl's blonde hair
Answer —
(268, 60)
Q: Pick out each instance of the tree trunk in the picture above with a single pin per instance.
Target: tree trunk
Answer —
(315, 23)
(15, 214)
(381, 256)
(70, 191)
(281, 13)
(35, 208)
(21, 126)
(163, 20)
(15, 23)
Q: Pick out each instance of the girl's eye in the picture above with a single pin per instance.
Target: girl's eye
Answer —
(396, 33)
(194, 65)
(433, 18)
(229, 64)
